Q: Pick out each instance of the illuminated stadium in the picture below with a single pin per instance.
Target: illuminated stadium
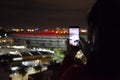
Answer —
(43, 38)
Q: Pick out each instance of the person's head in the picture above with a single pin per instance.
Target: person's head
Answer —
(104, 15)
(103, 28)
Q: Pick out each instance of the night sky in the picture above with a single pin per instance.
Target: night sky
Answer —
(44, 12)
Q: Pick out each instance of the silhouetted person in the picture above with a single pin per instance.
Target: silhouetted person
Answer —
(104, 27)
(103, 39)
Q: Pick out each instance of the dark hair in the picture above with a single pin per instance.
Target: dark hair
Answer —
(103, 26)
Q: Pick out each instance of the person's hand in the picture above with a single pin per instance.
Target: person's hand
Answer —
(71, 50)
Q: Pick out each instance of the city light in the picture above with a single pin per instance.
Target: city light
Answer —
(18, 47)
(17, 59)
(83, 30)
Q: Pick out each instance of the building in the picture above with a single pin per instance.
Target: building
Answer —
(19, 62)
(42, 40)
